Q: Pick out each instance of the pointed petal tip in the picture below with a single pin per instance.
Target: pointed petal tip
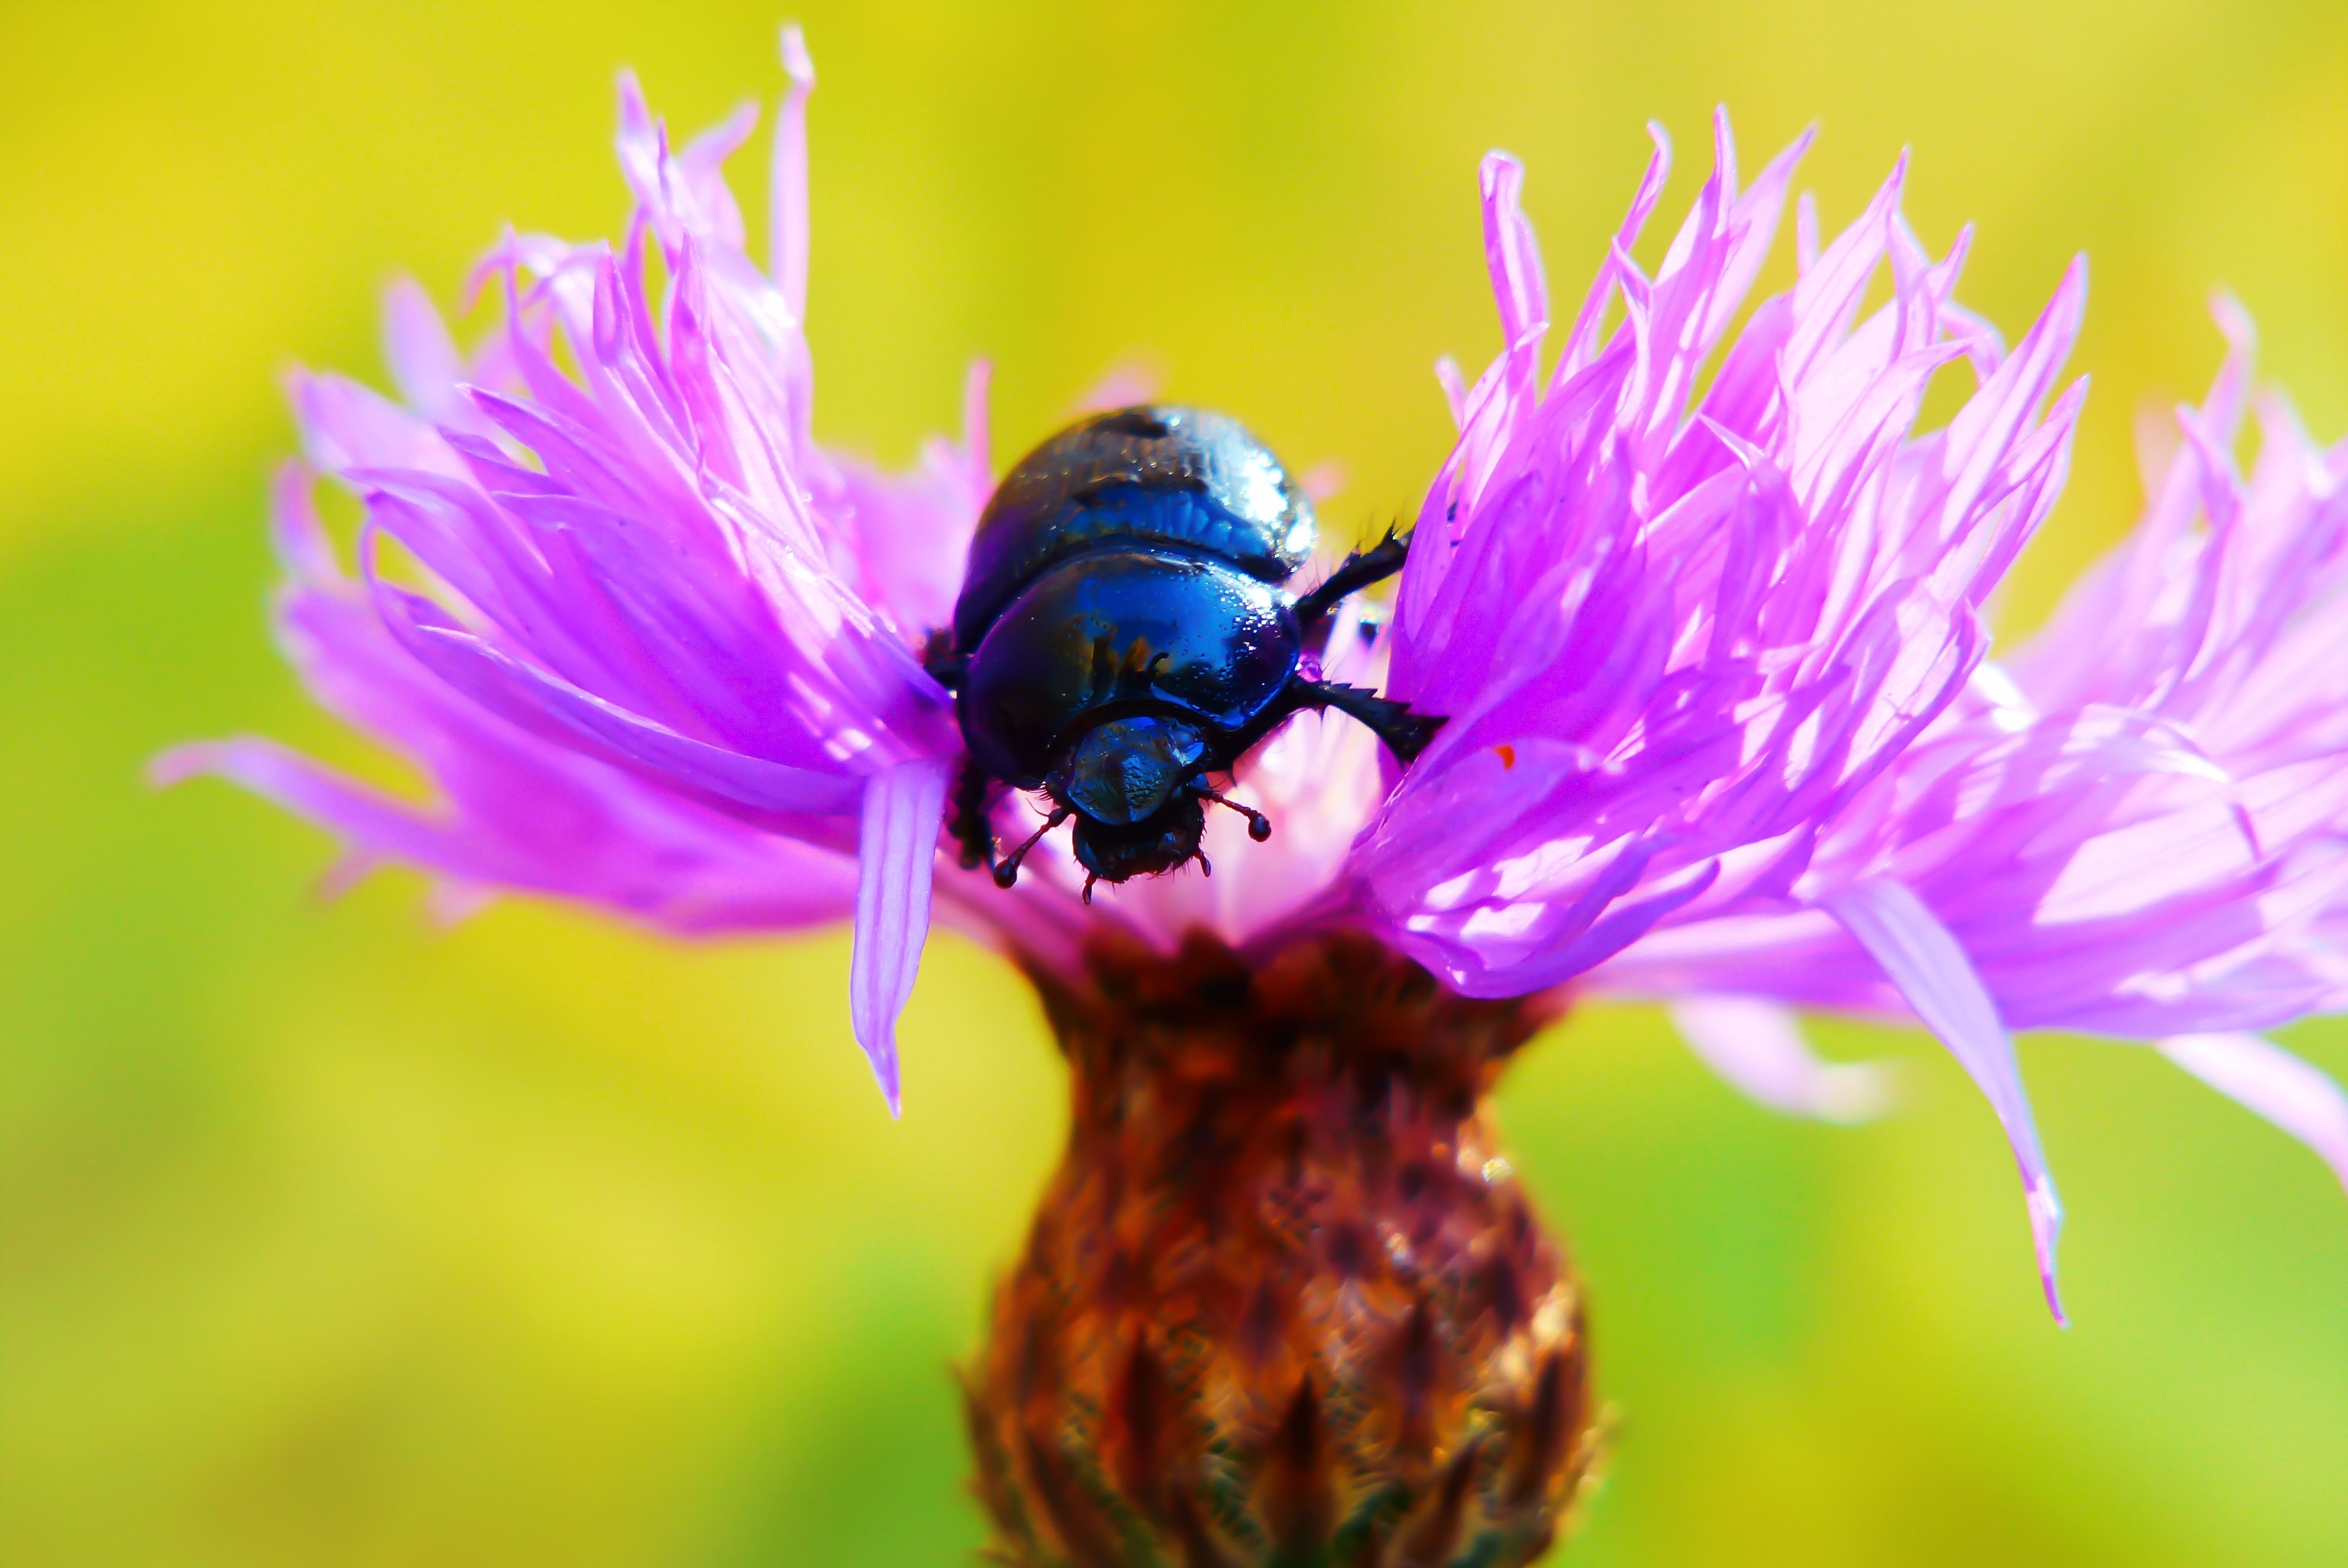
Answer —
(180, 763)
(1930, 970)
(977, 439)
(797, 64)
(876, 1036)
(1660, 158)
(1498, 165)
(1759, 1046)
(2073, 289)
(2288, 1091)
(883, 1059)
(2233, 318)
(1781, 168)
(635, 113)
(2045, 1230)
(403, 292)
(896, 851)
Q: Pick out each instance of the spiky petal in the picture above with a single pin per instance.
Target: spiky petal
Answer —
(2138, 825)
(1675, 635)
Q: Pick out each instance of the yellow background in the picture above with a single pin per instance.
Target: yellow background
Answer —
(333, 1238)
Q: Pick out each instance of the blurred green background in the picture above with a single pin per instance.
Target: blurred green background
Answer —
(334, 1238)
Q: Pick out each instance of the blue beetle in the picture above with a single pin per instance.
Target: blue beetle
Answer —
(1125, 631)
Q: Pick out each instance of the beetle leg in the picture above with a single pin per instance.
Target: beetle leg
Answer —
(1405, 733)
(969, 827)
(1357, 571)
(944, 666)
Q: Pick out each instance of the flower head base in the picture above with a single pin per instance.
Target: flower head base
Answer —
(1701, 606)
(1255, 1325)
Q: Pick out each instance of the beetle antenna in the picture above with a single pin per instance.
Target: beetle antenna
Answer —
(1258, 825)
(1008, 872)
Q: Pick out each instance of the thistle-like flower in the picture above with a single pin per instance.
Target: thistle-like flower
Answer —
(2132, 827)
(1719, 728)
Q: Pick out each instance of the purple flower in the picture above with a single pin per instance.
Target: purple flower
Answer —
(1720, 727)
(2132, 827)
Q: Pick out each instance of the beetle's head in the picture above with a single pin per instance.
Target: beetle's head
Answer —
(1132, 785)
(1164, 842)
(1121, 774)
(1137, 788)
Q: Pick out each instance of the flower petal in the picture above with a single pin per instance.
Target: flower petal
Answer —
(897, 841)
(1920, 957)
(1759, 1046)
(789, 260)
(1690, 626)
(2296, 1096)
(508, 810)
(548, 706)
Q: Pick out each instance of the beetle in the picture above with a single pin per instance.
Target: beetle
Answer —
(1125, 631)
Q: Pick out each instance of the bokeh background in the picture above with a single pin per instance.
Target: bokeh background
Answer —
(332, 1238)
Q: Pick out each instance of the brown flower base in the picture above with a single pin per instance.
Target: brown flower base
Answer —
(1283, 1302)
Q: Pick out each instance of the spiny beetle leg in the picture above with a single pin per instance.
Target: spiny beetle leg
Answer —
(1356, 572)
(1405, 733)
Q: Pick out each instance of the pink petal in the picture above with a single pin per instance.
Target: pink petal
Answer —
(896, 843)
(789, 258)
(550, 706)
(1759, 1046)
(425, 363)
(2296, 1096)
(385, 824)
(1120, 386)
(1920, 957)
(346, 425)
(295, 531)
(1511, 254)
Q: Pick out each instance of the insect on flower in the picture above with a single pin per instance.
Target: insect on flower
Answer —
(1122, 633)
(1684, 694)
